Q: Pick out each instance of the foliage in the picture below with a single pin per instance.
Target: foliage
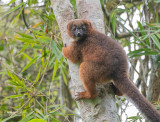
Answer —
(31, 64)
(34, 78)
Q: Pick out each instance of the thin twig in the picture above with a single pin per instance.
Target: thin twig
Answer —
(21, 106)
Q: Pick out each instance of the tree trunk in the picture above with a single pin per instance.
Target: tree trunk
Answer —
(156, 87)
(103, 108)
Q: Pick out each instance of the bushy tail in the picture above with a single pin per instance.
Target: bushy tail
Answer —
(128, 88)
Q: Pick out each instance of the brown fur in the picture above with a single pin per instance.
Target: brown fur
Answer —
(102, 59)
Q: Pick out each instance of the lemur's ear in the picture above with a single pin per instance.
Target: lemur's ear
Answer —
(88, 21)
(70, 23)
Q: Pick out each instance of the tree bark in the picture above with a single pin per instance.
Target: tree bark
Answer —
(156, 87)
(103, 108)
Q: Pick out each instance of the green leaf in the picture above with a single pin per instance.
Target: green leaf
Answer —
(55, 69)
(56, 109)
(24, 47)
(12, 1)
(56, 51)
(12, 83)
(16, 18)
(64, 76)
(10, 74)
(14, 96)
(158, 35)
(153, 25)
(143, 32)
(15, 80)
(156, 41)
(37, 120)
(43, 41)
(25, 35)
(140, 52)
(8, 118)
(39, 112)
(27, 117)
(55, 120)
(13, 9)
(114, 25)
(18, 81)
(27, 40)
(38, 75)
(122, 10)
(27, 56)
(30, 63)
(133, 118)
(44, 37)
(29, 2)
(38, 33)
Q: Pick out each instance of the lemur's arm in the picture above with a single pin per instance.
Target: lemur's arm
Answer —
(72, 53)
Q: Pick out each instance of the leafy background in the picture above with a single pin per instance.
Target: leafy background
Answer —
(34, 77)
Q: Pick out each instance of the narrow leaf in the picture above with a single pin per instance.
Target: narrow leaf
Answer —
(12, 1)
(27, 56)
(64, 76)
(25, 35)
(15, 96)
(24, 47)
(38, 75)
(13, 9)
(30, 63)
(156, 41)
(55, 69)
(27, 117)
(16, 18)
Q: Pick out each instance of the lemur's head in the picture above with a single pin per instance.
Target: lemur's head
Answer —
(79, 28)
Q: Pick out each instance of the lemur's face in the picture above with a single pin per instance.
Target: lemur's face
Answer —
(78, 28)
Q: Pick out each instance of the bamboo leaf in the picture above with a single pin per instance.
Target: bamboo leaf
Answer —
(27, 56)
(8, 118)
(13, 9)
(56, 109)
(34, 26)
(140, 52)
(24, 47)
(25, 35)
(27, 117)
(14, 96)
(43, 41)
(56, 51)
(12, 82)
(143, 32)
(37, 120)
(156, 41)
(27, 40)
(12, 1)
(38, 75)
(18, 80)
(114, 25)
(30, 63)
(64, 76)
(55, 69)
(16, 18)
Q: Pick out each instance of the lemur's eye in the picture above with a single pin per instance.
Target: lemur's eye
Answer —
(83, 27)
(74, 28)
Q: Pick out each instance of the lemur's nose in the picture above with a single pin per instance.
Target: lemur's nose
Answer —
(79, 33)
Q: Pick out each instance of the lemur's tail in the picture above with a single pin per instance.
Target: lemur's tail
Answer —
(130, 90)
